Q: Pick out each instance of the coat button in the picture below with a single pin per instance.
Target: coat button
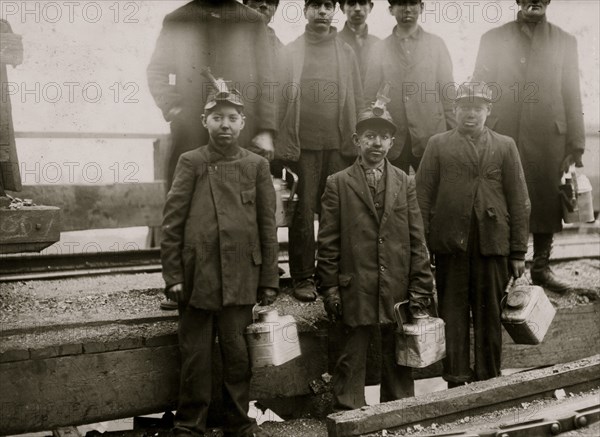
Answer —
(523, 60)
(376, 204)
(380, 241)
(382, 268)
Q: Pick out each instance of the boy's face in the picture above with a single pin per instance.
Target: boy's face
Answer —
(265, 7)
(357, 11)
(374, 143)
(471, 115)
(224, 124)
(319, 14)
(407, 12)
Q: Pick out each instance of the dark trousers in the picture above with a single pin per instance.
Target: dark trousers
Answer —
(406, 159)
(197, 330)
(349, 374)
(313, 167)
(469, 282)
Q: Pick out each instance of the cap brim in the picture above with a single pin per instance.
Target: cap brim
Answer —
(376, 121)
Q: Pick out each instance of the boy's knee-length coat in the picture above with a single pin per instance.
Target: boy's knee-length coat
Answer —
(375, 262)
(219, 235)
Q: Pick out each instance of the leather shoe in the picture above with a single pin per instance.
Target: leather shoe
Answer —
(305, 290)
(168, 305)
(547, 279)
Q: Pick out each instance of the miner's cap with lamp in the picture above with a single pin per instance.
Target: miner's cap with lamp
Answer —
(377, 112)
(220, 92)
(473, 91)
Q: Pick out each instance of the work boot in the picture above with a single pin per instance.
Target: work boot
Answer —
(305, 290)
(541, 274)
(168, 305)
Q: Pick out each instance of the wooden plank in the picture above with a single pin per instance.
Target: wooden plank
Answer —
(29, 227)
(472, 398)
(102, 206)
(48, 393)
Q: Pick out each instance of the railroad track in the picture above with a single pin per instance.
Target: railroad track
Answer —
(573, 243)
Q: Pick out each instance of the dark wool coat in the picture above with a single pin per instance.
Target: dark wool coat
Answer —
(350, 98)
(538, 105)
(362, 52)
(219, 235)
(232, 40)
(375, 262)
(421, 91)
(10, 177)
(454, 181)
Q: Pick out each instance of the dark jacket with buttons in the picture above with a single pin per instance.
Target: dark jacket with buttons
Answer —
(219, 235)
(376, 262)
(538, 104)
(457, 179)
(421, 88)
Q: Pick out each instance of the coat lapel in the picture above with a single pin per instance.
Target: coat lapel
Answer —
(358, 183)
(392, 191)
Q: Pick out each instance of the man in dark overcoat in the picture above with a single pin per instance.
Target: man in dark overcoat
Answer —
(473, 197)
(219, 256)
(232, 40)
(371, 256)
(322, 94)
(356, 31)
(11, 53)
(418, 67)
(532, 67)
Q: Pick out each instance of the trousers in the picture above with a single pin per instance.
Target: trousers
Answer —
(467, 284)
(350, 370)
(197, 330)
(313, 167)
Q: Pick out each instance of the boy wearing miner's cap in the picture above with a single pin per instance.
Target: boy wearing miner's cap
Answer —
(219, 256)
(475, 208)
(371, 255)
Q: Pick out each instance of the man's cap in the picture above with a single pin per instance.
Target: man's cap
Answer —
(232, 97)
(474, 90)
(375, 114)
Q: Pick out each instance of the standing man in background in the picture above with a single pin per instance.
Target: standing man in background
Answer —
(535, 65)
(418, 67)
(232, 40)
(11, 53)
(356, 31)
(322, 96)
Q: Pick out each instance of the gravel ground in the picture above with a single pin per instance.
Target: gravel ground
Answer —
(110, 297)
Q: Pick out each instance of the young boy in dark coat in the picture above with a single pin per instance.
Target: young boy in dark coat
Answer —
(219, 250)
(475, 207)
(371, 255)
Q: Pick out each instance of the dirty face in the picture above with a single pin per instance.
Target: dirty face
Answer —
(407, 12)
(319, 14)
(471, 115)
(533, 9)
(265, 7)
(224, 125)
(357, 11)
(373, 143)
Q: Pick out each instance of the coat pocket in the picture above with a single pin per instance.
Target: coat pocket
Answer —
(249, 196)
(257, 257)
(344, 280)
(561, 127)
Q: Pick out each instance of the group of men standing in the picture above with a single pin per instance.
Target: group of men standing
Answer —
(483, 161)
